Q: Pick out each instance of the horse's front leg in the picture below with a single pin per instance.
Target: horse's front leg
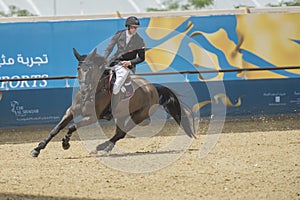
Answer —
(86, 120)
(63, 123)
(67, 137)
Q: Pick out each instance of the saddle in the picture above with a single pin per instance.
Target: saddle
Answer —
(127, 90)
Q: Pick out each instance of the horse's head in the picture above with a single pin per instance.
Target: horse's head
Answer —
(90, 67)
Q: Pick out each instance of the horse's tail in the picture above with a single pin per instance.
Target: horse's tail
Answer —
(172, 105)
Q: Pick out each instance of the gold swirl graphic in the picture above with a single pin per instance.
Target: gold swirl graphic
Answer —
(160, 27)
(205, 59)
(199, 105)
(270, 37)
(221, 41)
(224, 99)
(161, 56)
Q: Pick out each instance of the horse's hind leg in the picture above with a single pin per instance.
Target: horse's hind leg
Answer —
(124, 125)
(63, 123)
(109, 145)
(119, 134)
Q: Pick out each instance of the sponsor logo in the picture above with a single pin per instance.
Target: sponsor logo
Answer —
(21, 111)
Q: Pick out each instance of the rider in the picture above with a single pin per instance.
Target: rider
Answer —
(131, 51)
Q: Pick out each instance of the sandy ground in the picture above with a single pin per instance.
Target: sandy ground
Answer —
(254, 160)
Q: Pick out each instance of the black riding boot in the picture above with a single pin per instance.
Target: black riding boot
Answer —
(108, 114)
(114, 102)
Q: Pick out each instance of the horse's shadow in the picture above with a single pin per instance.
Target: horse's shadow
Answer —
(121, 155)
(138, 153)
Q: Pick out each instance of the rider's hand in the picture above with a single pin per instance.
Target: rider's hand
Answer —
(126, 63)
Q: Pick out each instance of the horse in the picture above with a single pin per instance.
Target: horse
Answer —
(93, 102)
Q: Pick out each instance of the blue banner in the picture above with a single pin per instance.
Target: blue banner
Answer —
(44, 49)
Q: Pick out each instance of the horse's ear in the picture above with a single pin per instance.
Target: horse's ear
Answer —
(94, 52)
(76, 54)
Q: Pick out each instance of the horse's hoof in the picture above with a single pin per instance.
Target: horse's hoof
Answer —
(34, 153)
(66, 146)
(106, 146)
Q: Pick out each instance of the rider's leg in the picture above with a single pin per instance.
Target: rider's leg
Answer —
(121, 75)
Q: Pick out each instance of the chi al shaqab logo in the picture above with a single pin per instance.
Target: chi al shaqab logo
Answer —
(20, 111)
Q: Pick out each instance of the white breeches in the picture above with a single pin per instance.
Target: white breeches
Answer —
(121, 75)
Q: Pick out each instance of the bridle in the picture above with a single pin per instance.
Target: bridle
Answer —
(91, 87)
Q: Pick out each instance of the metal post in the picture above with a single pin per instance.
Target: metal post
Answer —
(67, 83)
(54, 7)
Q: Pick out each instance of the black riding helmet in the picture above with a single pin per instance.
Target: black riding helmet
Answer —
(132, 21)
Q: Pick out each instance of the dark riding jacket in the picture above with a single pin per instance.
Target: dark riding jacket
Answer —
(134, 51)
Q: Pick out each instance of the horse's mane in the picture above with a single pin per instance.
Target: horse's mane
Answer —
(99, 59)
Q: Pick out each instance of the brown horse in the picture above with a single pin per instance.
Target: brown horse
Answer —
(93, 101)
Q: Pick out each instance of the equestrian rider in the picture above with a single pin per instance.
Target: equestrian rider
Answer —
(130, 51)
